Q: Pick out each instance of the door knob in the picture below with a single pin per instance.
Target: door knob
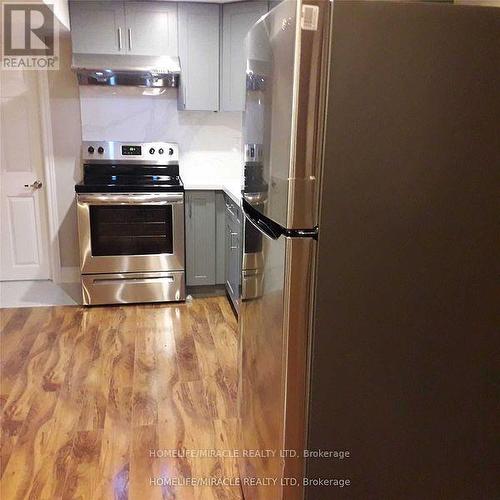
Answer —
(35, 185)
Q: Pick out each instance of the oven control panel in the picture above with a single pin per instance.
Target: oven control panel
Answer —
(163, 153)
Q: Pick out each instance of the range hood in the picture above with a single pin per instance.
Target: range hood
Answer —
(139, 71)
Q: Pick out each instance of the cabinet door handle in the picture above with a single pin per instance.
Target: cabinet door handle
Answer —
(233, 246)
(129, 39)
(229, 208)
(190, 210)
(119, 39)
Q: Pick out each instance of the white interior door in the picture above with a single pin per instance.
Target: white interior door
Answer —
(24, 250)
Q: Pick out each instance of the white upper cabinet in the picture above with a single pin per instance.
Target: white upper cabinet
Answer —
(137, 28)
(97, 27)
(199, 56)
(151, 28)
(237, 19)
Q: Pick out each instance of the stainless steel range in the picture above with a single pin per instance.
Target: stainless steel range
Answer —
(130, 208)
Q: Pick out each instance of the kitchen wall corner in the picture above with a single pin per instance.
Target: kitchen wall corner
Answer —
(66, 127)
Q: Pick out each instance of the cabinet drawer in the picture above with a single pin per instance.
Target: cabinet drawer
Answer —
(129, 288)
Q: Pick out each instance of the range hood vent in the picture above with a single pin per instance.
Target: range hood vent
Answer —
(138, 71)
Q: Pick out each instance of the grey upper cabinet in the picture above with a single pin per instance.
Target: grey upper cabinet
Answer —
(116, 27)
(237, 19)
(199, 56)
(208, 38)
(151, 28)
(98, 27)
(200, 238)
(273, 3)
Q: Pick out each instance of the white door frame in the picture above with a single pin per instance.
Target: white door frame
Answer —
(49, 171)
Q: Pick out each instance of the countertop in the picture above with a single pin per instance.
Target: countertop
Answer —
(231, 187)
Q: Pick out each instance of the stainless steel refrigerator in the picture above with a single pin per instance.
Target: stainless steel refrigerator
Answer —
(368, 315)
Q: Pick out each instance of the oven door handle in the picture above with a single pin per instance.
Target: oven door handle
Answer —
(131, 199)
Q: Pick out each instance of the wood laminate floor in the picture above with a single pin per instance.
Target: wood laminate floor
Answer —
(90, 395)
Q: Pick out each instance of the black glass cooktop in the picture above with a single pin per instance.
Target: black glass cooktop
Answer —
(130, 178)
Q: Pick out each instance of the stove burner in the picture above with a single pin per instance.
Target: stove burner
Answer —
(129, 178)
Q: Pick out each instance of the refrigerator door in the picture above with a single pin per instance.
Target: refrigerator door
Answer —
(286, 54)
(405, 358)
(274, 327)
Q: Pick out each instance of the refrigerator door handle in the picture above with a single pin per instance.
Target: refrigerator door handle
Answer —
(267, 227)
(271, 229)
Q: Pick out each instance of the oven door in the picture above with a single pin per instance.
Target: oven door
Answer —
(127, 233)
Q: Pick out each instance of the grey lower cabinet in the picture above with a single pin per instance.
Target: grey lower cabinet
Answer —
(214, 242)
(220, 238)
(233, 252)
(200, 238)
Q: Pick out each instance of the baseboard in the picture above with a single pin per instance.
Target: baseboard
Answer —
(70, 274)
(200, 291)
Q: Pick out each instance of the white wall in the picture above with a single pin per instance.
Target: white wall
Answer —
(61, 11)
(209, 143)
(66, 128)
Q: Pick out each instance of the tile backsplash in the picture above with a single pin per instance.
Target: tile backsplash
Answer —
(209, 143)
